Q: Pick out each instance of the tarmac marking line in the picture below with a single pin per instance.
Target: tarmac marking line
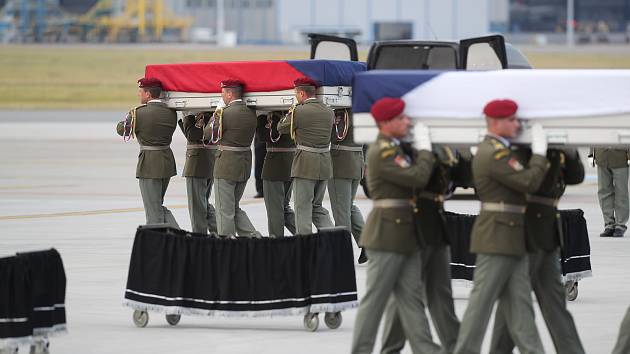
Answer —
(99, 212)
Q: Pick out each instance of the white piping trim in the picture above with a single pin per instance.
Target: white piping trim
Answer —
(49, 308)
(13, 320)
(244, 302)
(464, 265)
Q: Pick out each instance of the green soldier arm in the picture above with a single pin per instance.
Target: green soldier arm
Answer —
(508, 171)
(416, 175)
(120, 127)
(573, 167)
(284, 125)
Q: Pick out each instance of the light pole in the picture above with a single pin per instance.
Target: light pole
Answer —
(570, 22)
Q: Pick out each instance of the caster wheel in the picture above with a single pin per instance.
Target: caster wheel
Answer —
(571, 288)
(333, 319)
(140, 318)
(311, 321)
(173, 320)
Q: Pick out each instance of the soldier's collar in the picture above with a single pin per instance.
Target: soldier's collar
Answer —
(154, 101)
(236, 101)
(501, 139)
(311, 99)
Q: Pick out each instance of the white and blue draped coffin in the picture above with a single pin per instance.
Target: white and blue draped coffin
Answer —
(576, 107)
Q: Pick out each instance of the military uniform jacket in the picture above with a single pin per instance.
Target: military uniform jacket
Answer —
(611, 158)
(312, 123)
(155, 125)
(393, 174)
(199, 160)
(277, 164)
(430, 203)
(346, 164)
(501, 178)
(543, 226)
(239, 127)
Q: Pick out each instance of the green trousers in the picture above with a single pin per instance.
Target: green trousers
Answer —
(342, 192)
(400, 275)
(308, 195)
(544, 271)
(503, 278)
(436, 270)
(231, 219)
(623, 342)
(277, 202)
(202, 218)
(612, 192)
(153, 191)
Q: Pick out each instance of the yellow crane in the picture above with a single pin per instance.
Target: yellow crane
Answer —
(148, 18)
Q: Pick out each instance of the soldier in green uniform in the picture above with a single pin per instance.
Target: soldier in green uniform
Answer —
(276, 175)
(612, 189)
(544, 238)
(498, 235)
(623, 342)
(198, 169)
(309, 123)
(235, 128)
(347, 162)
(153, 124)
(390, 235)
(435, 255)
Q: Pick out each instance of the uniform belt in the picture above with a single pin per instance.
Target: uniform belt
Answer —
(280, 149)
(201, 146)
(543, 200)
(154, 148)
(346, 148)
(312, 149)
(391, 203)
(432, 196)
(234, 148)
(502, 207)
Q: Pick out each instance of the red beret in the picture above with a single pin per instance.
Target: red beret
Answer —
(500, 108)
(231, 83)
(149, 82)
(304, 81)
(387, 108)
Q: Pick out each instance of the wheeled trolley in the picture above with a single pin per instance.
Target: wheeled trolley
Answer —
(177, 273)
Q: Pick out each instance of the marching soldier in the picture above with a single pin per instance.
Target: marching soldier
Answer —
(623, 342)
(235, 128)
(153, 124)
(612, 189)
(390, 235)
(498, 235)
(544, 238)
(276, 175)
(309, 123)
(347, 163)
(198, 170)
(435, 255)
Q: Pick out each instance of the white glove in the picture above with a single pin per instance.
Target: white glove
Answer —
(221, 104)
(422, 137)
(539, 140)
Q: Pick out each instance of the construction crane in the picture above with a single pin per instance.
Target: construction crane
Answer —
(32, 21)
(140, 20)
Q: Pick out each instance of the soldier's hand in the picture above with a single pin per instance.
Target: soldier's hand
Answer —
(421, 136)
(539, 140)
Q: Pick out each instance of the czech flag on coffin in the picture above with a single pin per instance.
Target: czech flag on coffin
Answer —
(258, 76)
(540, 94)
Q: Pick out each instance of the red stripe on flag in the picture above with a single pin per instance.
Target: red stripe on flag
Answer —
(258, 76)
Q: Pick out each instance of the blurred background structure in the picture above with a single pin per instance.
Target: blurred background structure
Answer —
(231, 22)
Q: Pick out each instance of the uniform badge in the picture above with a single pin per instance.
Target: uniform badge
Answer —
(501, 154)
(387, 152)
(516, 166)
(402, 161)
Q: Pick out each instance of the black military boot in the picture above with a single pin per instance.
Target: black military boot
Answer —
(608, 232)
(362, 257)
(619, 231)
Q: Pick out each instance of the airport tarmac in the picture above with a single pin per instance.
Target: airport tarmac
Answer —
(68, 183)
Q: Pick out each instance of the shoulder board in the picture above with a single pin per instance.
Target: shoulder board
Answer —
(499, 154)
(497, 145)
(388, 152)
